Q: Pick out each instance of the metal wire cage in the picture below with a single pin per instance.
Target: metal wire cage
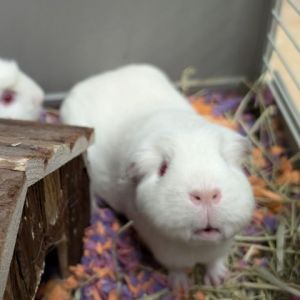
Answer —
(282, 62)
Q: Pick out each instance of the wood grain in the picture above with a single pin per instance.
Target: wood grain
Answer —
(55, 213)
(31, 156)
(67, 135)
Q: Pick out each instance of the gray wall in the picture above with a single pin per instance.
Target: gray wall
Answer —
(59, 42)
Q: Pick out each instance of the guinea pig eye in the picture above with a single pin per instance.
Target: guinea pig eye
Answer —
(163, 168)
(7, 97)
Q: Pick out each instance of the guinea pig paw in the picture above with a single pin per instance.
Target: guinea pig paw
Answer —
(179, 284)
(215, 274)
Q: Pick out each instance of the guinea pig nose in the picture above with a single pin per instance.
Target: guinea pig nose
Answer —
(206, 196)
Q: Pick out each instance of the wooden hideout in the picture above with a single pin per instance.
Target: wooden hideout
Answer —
(44, 192)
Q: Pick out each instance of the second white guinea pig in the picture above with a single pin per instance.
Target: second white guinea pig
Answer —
(20, 96)
(177, 176)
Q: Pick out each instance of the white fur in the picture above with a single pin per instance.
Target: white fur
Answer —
(29, 95)
(141, 120)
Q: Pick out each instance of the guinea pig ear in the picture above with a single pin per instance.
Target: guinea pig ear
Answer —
(235, 147)
(134, 172)
(9, 72)
(151, 158)
(140, 164)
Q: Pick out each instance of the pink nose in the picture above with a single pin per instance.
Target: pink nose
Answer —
(205, 196)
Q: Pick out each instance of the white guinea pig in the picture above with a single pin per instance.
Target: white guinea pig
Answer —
(20, 96)
(177, 176)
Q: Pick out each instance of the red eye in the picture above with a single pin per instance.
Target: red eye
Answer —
(7, 97)
(163, 168)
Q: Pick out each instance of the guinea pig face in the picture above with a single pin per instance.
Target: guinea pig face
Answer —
(191, 186)
(21, 101)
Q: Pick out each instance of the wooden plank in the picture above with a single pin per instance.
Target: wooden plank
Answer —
(12, 195)
(30, 243)
(29, 152)
(39, 149)
(44, 132)
(55, 214)
(74, 180)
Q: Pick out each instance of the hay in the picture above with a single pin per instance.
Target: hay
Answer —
(265, 259)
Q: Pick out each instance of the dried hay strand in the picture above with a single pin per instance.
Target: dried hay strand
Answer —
(265, 259)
